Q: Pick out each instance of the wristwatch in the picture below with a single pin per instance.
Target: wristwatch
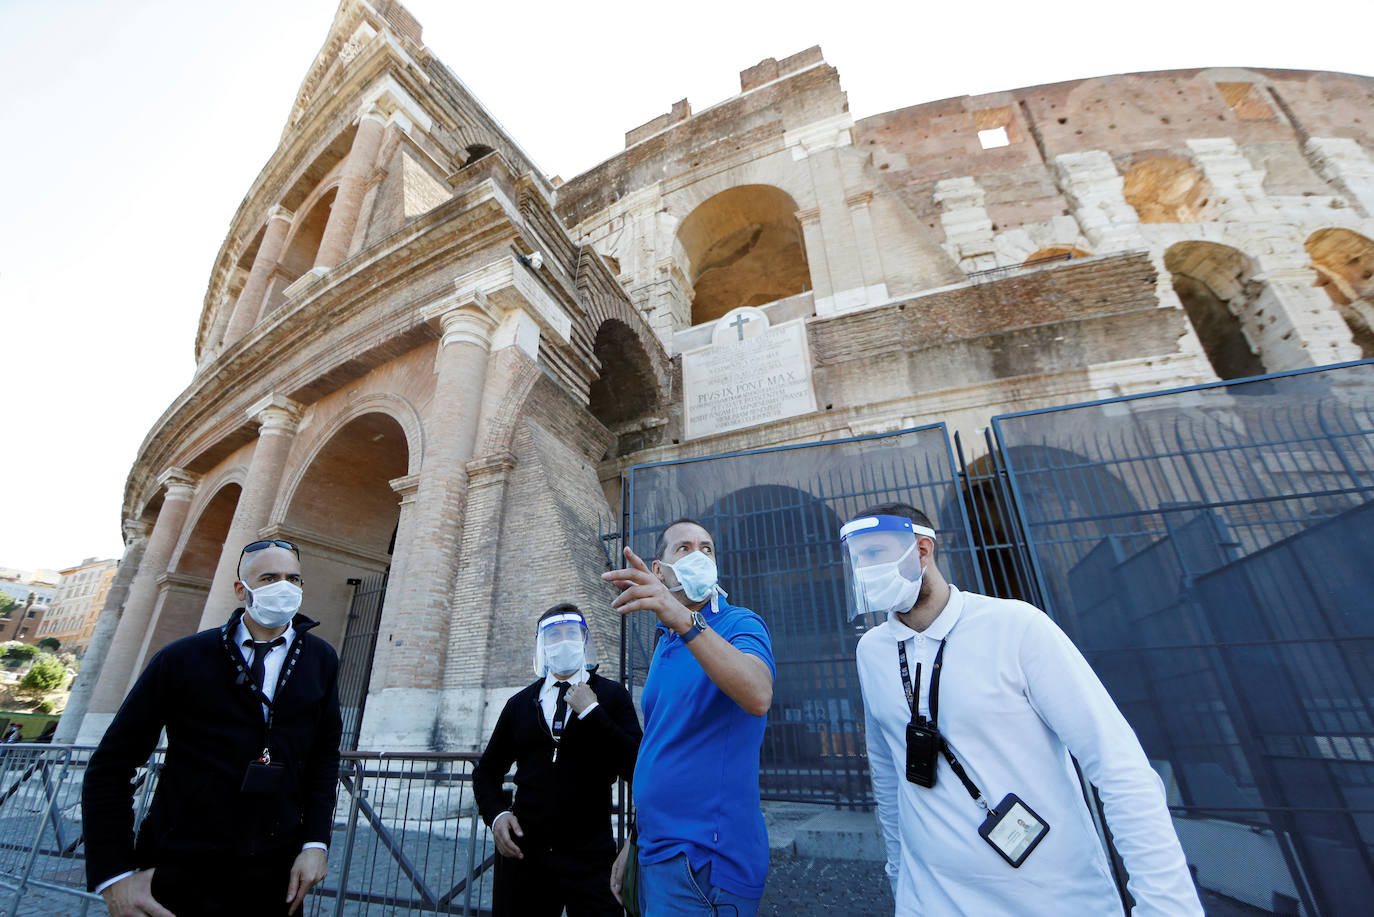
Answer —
(698, 625)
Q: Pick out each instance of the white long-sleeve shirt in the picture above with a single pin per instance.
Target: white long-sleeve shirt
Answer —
(1016, 698)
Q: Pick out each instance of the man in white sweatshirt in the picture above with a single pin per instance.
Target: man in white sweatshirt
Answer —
(973, 706)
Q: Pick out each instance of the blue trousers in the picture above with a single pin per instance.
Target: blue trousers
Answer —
(674, 889)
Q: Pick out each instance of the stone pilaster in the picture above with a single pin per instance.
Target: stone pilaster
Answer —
(1094, 187)
(70, 726)
(119, 671)
(343, 215)
(870, 253)
(408, 666)
(251, 296)
(277, 417)
(1237, 186)
(1290, 322)
(968, 228)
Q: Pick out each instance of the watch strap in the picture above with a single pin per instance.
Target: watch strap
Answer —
(698, 625)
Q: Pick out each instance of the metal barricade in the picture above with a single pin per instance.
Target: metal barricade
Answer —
(407, 838)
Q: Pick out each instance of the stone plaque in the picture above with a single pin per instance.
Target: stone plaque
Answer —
(751, 374)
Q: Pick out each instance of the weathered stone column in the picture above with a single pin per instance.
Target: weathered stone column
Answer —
(250, 297)
(118, 670)
(343, 215)
(135, 542)
(277, 417)
(407, 673)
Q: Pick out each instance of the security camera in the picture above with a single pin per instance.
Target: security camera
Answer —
(536, 260)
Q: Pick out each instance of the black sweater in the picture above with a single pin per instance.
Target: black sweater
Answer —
(573, 792)
(198, 688)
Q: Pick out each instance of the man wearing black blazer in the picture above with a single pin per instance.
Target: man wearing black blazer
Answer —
(242, 815)
(569, 735)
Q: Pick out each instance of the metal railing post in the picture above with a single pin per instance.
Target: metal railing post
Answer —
(472, 863)
(346, 867)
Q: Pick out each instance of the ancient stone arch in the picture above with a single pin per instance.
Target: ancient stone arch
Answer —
(1165, 189)
(183, 593)
(303, 242)
(1344, 262)
(604, 303)
(397, 408)
(743, 247)
(1214, 284)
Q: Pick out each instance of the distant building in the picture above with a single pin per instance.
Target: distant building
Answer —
(21, 587)
(80, 596)
(21, 621)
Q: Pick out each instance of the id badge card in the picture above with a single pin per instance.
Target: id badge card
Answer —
(262, 777)
(1013, 829)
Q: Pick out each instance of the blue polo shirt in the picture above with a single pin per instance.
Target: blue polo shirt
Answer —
(696, 785)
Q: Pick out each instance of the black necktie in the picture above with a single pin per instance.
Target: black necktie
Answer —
(260, 651)
(560, 709)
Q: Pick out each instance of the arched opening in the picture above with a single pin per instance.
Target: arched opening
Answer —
(744, 247)
(343, 515)
(475, 152)
(1212, 282)
(301, 250)
(1167, 190)
(182, 598)
(625, 391)
(1054, 253)
(1344, 262)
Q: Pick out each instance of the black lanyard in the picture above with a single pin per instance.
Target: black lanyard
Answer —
(912, 698)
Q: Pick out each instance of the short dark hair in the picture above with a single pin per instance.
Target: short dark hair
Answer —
(905, 510)
(562, 608)
(661, 544)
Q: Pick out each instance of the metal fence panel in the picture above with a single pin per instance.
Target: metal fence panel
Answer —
(775, 516)
(407, 839)
(1210, 551)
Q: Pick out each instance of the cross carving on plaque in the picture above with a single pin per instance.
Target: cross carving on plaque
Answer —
(738, 324)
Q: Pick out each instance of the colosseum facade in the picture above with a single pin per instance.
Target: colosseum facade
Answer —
(430, 365)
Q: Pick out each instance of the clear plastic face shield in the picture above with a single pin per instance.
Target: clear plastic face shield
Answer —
(882, 564)
(563, 644)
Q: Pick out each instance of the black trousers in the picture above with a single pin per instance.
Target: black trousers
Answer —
(547, 881)
(226, 886)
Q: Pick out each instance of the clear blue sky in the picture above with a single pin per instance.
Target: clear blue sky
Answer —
(130, 131)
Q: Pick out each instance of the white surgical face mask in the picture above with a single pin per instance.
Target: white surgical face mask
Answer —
(885, 589)
(275, 604)
(696, 576)
(565, 657)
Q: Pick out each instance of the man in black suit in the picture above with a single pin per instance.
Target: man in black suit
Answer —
(569, 734)
(243, 810)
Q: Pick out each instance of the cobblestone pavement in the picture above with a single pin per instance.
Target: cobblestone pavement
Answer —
(811, 887)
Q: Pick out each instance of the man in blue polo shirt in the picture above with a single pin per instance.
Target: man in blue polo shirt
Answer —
(703, 847)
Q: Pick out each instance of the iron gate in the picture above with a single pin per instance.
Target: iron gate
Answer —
(356, 653)
(775, 516)
(1210, 549)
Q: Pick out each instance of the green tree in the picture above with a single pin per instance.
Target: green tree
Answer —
(51, 644)
(16, 654)
(6, 603)
(47, 674)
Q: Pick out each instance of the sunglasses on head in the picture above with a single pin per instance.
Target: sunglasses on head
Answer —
(260, 545)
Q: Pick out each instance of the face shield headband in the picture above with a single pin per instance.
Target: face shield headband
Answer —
(554, 650)
(881, 567)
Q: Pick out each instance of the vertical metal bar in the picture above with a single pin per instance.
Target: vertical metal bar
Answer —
(347, 866)
(472, 864)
